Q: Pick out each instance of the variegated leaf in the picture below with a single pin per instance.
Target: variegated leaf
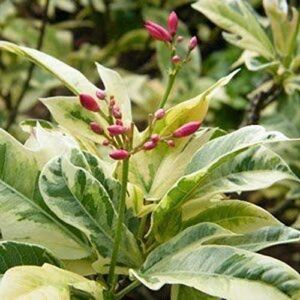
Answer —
(24, 217)
(85, 201)
(48, 283)
(238, 18)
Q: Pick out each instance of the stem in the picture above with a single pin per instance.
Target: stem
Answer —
(142, 226)
(128, 289)
(170, 84)
(31, 68)
(118, 233)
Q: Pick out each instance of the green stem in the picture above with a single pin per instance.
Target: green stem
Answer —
(170, 84)
(128, 289)
(118, 233)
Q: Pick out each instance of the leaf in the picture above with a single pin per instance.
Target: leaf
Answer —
(70, 77)
(260, 239)
(182, 292)
(222, 165)
(284, 23)
(46, 282)
(17, 254)
(154, 172)
(24, 217)
(220, 271)
(84, 201)
(238, 18)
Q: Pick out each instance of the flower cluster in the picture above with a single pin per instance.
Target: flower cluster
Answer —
(168, 35)
(119, 137)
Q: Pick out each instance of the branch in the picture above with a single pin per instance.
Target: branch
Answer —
(13, 114)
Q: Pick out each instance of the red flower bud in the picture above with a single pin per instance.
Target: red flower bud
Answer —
(171, 143)
(96, 127)
(116, 112)
(149, 145)
(116, 129)
(176, 59)
(119, 122)
(187, 129)
(173, 23)
(155, 138)
(158, 32)
(193, 43)
(159, 114)
(119, 154)
(89, 103)
(179, 39)
(100, 94)
(105, 143)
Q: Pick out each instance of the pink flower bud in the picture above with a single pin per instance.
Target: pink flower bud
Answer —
(193, 43)
(96, 127)
(106, 143)
(116, 129)
(149, 145)
(119, 122)
(155, 138)
(176, 59)
(187, 129)
(116, 112)
(158, 32)
(89, 103)
(119, 154)
(100, 94)
(171, 143)
(173, 23)
(159, 114)
(179, 39)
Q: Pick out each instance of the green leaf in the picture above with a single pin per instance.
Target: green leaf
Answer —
(70, 77)
(46, 282)
(220, 271)
(24, 215)
(284, 23)
(223, 165)
(182, 292)
(83, 200)
(260, 239)
(14, 254)
(238, 18)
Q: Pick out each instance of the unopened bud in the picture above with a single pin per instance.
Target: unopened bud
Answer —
(171, 143)
(193, 43)
(112, 101)
(176, 59)
(149, 145)
(89, 103)
(100, 94)
(158, 32)
(172, 23)
(106, 143)
(116, 112)
(179, 39)
(96, 128)
(116, 129)
(187, 129)
(119, 154)
(119, 122)
(155, 138)
(159, 114)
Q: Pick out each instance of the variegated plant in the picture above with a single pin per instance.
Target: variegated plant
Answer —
(160, 215)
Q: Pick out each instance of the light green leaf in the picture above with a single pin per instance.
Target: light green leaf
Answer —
(284, 23)
(259, 239)
(70, 77)
(82, 198)
(48, 283)
(153, 171)
(220, 271)
(24, 215)
(14, 254)
(238, 18)
(222, 165)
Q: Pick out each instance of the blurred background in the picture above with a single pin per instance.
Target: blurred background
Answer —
(80, 32)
